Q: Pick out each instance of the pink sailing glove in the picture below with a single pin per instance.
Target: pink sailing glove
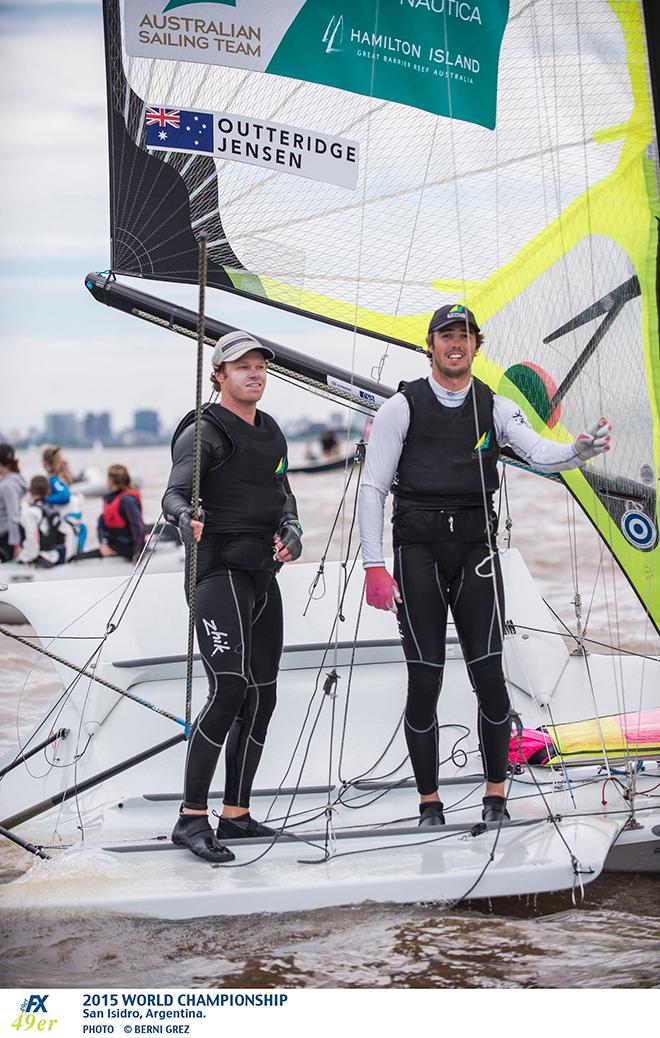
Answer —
(588, 445)
(382, 589)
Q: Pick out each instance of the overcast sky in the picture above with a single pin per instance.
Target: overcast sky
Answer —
(60, 350)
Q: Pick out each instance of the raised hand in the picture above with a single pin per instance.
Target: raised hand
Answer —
(596, 441)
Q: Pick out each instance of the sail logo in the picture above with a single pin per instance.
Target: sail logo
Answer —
(395, 50)
(257, 142)
(281, 467)
(457, 8)
(172, 4)
(638, 530)
(350, 390)
(173, 129)
(333, 37)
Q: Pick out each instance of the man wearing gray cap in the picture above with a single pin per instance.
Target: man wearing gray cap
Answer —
(436, 444)
(248, 528)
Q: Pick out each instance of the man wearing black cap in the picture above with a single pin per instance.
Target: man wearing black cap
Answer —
(249, 527)
(435, 444)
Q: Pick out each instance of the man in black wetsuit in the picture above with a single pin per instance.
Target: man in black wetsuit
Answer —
(435, 444)
(249, 527)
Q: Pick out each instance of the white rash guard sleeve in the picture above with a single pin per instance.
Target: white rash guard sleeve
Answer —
(386, 441)
(383, 452)
(513, 429)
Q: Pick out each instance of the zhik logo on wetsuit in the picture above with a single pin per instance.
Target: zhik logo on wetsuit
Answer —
(281, 467)
(219, 638)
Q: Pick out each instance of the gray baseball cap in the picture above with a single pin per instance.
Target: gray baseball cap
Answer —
(234, 345)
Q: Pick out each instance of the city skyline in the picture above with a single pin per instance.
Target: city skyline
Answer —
(71, 429)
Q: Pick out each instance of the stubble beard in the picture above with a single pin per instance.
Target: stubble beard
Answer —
(451, 373)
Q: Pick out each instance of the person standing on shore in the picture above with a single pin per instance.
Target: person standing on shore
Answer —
(435, 443)
(248, 529)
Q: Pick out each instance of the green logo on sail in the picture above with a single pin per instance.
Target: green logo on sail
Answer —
(184, 3)
(441, 57)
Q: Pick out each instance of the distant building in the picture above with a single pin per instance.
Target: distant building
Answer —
(62, 429)
(97, 427)
(147, 424)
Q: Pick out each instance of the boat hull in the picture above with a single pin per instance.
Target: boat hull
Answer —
(335, 754)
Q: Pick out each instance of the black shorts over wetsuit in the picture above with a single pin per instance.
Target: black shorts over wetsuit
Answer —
(238, 610)
(442, 563)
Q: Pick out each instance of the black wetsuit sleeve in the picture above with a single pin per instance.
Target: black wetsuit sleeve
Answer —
(291, 506)
(102, 530)
(178, 494)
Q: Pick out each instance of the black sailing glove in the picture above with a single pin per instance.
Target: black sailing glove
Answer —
(290, 533)
(185, 527)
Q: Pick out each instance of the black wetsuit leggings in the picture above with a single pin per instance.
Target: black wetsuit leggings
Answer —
(434, 578)
(238, 617)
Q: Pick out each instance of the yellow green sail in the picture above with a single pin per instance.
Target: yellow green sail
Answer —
(503, 155)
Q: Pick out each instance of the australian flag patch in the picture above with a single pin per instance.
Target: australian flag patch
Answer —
(174, 129)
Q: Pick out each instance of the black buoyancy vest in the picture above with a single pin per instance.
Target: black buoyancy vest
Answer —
(440, 464)
(51, 534)
(244, 495)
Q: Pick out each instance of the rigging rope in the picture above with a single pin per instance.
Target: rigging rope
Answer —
(84, 672)
(195, 503)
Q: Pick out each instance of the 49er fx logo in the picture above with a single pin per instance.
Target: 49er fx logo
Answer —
(28, 1020)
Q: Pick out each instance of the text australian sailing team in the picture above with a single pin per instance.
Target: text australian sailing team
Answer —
(435, 444)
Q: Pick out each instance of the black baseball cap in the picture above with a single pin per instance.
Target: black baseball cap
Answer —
(452, 312)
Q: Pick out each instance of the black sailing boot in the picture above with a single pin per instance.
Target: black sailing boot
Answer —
(242, 827)
(195, 833)
(494, 810)
(431, 814)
